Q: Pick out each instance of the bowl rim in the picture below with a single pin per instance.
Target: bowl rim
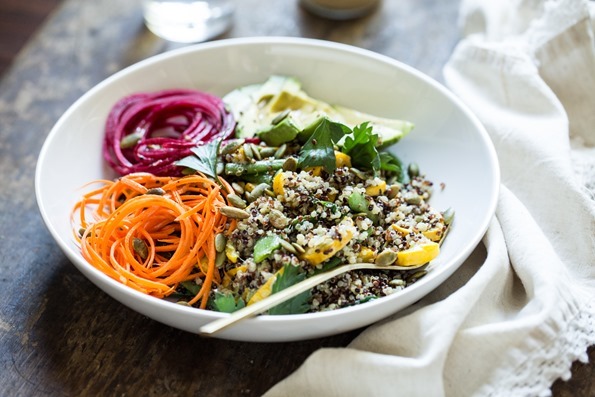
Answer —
(453, 264)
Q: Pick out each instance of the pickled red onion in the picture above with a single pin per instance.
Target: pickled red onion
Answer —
(162, 128)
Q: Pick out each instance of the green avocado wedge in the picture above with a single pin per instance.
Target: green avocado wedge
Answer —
(279, 111)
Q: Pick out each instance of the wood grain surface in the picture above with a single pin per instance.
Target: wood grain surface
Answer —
(59, 334)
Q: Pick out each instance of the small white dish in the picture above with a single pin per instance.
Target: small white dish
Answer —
(448, 142)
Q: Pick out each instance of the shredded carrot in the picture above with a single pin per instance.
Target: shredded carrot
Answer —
(151, 233)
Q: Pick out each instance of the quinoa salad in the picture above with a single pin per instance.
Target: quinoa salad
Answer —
(306, 204)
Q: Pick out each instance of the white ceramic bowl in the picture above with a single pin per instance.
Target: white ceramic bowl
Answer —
(448, 143)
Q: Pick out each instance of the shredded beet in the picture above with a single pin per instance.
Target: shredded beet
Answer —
(149, 132)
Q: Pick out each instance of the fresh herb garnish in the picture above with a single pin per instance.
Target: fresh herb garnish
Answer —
(296, 305)
(319, 150)
(204, 159)
(226, 303)
(361, 146)
(392, 164)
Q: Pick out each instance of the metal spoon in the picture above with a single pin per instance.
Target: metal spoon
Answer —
(283, 295)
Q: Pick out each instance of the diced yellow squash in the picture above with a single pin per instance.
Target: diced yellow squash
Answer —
(265, 289)
(231, 252)
(315, 171)
(399, 229)
(418, 255)
(278, 184)
(249, 187)
(366, 255)
(342, 159)
(434, 234)
(317, 255)
(376, 190)
(231, 273)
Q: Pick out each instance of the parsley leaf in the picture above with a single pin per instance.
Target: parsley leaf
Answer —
(204, 159)
(391, 163)
(226, 303)
(299, 304)
(361, 146)
(319, 149)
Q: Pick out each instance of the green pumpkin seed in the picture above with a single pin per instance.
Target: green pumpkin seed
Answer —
(257, 191)
(156, 190)
(232, 146)
(233, 212)
(413, 170)
(360, 174)
(220, 259)
(280, 152)
(393, 190)
(220, 241)
(290, 164)
(298, 248)
(386, 258)
(236, 201)
(414, 199)
(140, 247)
(239, 189)
(280, 117)
(248, 151)
(288, 246)
(267, 151)
(256, 151)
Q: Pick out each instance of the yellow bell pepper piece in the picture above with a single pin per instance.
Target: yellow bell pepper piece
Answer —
(231, 273)
(376, 190)
(265, 289)
(342, 159)
(231, 252)
(315, 171)
(317, 255)
(366, 255)
(278, 183)
(399, 229)
(418, 255)
(433, 234)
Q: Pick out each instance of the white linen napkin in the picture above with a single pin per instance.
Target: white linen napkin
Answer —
(514, 324)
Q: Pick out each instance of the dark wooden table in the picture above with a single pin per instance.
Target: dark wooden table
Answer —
(59, 334)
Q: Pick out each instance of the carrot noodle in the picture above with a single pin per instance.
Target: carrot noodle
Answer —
(173, 220)
(149, 132)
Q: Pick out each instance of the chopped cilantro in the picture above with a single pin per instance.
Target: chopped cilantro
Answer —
(226, 303)
(299, 304)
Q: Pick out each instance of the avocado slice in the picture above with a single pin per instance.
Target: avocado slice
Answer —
(256, 108)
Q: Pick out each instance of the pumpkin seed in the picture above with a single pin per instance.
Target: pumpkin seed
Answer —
(288, 246)
(257, 191)
(140, 247)
(280, 152)
(290, 164)
(386, 257)
(233, 212)
(236, 201)
(156, 190)
(267, 151)
(220, 259)
(415, 276)
(393, 190)
(270, 193)
(131, 140)
(413, 170)
(256, 151)
(298, 248)
(183, 303)
(237, 188)
(232, 146)
(413, 199)
(280, 117)
(360, 174)
(248, 151)
(220, 241)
